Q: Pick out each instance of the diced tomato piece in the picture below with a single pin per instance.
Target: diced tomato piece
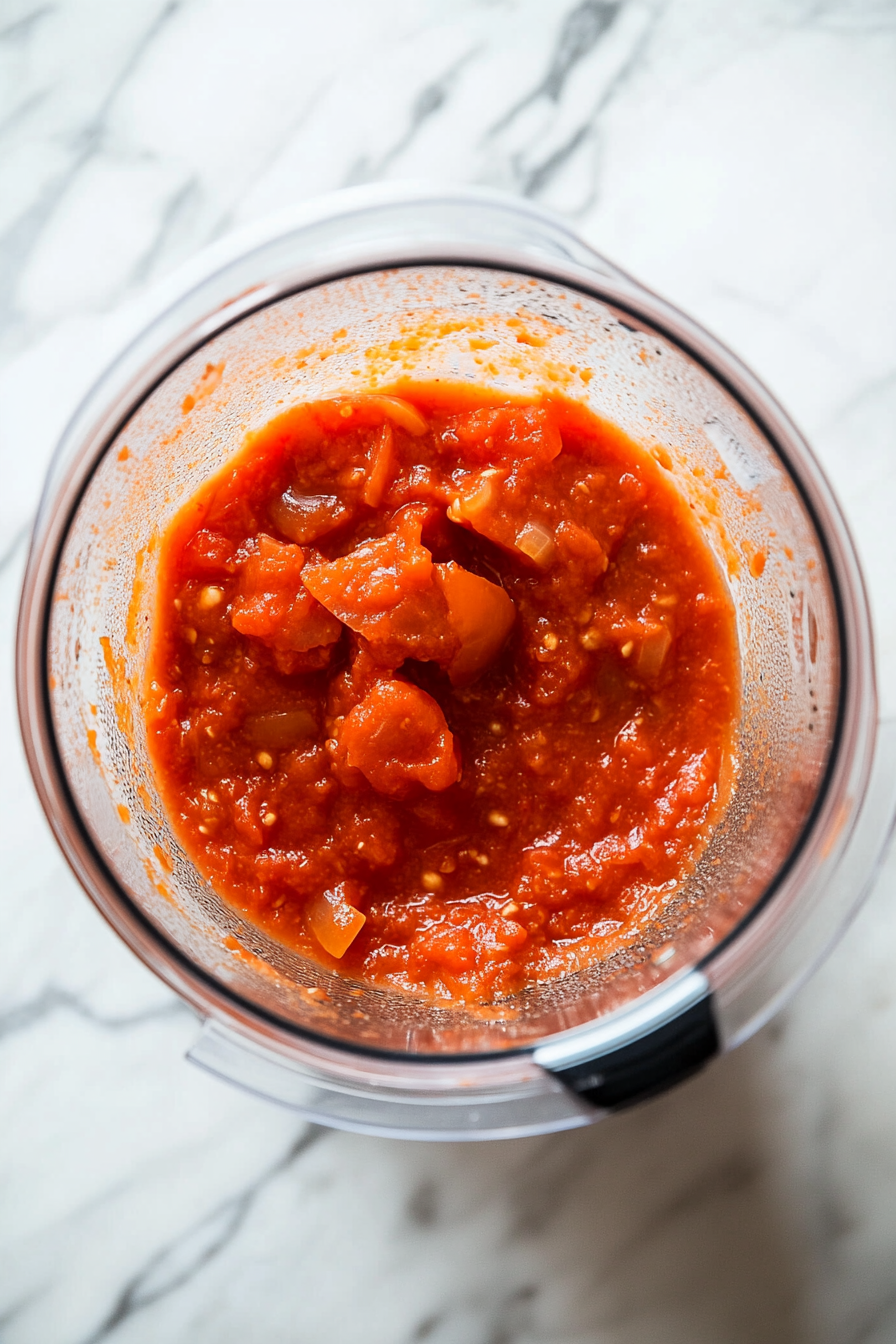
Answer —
(384, 590)
(270, 581)
(397, 737)
(334, 921)
(481, 615)
(246, 817)
(693, 785)
(477, 505)
(350, 686)
(370, 580)
(579, 548)
(497, 936)
(507, 434)
(272, 603)
(208, 552)
(448, 945)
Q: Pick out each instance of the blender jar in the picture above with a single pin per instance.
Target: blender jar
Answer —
(366, 289)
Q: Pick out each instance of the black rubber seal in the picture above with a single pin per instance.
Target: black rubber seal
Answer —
(644, 1068)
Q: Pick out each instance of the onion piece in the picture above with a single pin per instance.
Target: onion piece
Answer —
(334, 922)
(280, 728)
(537, 543)
(381, 467)
(402, 412)
(652, 652)
(478, 502)
(304, 518)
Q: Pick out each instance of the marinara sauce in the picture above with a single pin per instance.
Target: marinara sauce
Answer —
(443, 692)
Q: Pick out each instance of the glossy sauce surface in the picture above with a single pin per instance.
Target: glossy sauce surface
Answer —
(443, 693)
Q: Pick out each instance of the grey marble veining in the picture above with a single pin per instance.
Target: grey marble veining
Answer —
(739, 158)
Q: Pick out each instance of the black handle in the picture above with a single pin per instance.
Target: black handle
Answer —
(645, 1067)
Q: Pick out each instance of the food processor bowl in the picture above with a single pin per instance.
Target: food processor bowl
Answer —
(372, 290)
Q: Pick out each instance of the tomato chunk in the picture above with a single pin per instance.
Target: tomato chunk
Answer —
(505, 434)
(371, 580)
(384, 590)
(209, 552)
(397, 737)
(447, 945)
(273, 604)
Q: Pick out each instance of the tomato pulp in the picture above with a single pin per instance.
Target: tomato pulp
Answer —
(443, 692)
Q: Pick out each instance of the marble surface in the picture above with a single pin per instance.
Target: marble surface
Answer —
(738, 158)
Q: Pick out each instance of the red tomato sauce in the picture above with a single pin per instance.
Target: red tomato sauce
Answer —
(443, 693)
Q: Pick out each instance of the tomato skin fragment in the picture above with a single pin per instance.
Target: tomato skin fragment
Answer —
(397, 737)
(334, 921)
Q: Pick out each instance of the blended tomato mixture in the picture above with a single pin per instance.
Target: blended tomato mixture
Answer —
(443, 692)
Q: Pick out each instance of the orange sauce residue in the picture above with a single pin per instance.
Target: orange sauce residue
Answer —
(756, 559)
(164, 860)
(204, 388)
(155, 881)
(121, 698)
(137, 605)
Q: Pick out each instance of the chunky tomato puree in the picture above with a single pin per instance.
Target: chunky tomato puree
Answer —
(443, 692)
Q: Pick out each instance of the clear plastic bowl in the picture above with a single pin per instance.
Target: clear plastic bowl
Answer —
(358, 291)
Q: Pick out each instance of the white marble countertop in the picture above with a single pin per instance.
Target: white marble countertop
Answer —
(739, 158)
